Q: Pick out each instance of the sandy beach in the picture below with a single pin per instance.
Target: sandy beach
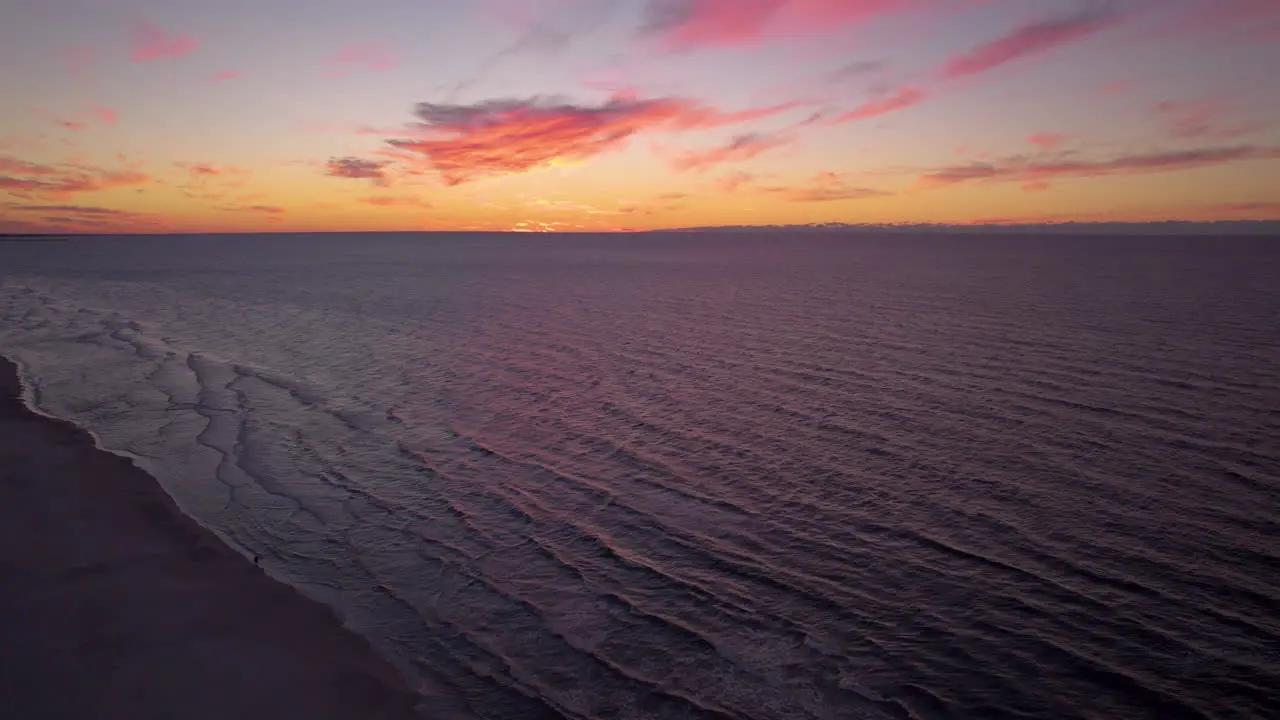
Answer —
(116, 605)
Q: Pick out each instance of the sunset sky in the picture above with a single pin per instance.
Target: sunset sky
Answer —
(298, 115)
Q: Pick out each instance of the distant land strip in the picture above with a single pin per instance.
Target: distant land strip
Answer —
(1252, 228)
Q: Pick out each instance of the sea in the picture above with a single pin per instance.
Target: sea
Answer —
(766, 475)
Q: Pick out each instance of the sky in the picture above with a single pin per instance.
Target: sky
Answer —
(595, 115)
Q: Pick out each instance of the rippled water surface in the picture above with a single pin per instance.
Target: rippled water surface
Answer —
(715, 476)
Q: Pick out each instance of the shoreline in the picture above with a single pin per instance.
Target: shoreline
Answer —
(119, 605)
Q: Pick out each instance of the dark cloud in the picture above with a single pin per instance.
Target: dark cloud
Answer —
(663, 16)
(355, 168)
(740, 148)
(44, 182)
(1020, 169)
(75, 210)
(858, 68)
(502, 136)
(825, 187)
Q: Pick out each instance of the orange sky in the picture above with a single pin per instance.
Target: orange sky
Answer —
(150, 116)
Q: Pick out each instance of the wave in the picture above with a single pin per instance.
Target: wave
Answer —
(721, 501)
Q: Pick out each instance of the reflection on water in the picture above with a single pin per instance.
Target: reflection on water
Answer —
(756, 477)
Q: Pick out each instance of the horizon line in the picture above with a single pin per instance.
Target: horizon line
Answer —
(1199, 225)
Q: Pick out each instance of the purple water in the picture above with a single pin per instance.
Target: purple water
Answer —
(747, 476)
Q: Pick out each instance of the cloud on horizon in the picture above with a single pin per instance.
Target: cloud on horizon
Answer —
(77, 218)
(1251, 207)
(1042, 171)
(825, 187)
(75, 209)
(32, 181)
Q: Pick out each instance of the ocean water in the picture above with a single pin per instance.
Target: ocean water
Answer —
(688, 476)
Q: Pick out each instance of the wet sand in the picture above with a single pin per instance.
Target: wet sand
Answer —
(113, 604)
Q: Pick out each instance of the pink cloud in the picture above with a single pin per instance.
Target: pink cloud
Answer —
(126, 178)
(150, 43)
(731, 183)
(200, 169)
(79, 61)
(83, 218)
(900, 100)
(1049, 141)
(99, 113)
(207, 196)
(1239, 10)
(105, 115)
(201, 173)
(1260, 19)
(73, 209)
(1201, 119)
(1029, 40)
(34, 227)
(373, 57)
(1119, 87)
(395, 201)
(690, 24)
(687, 115)
(272, 213)
(35, 181)
(503, 136)
(14, 166)
(1270, 208)
(1025, 41)
(1188, 119)
(225, 75)
(1028, 171)
(740, 148)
